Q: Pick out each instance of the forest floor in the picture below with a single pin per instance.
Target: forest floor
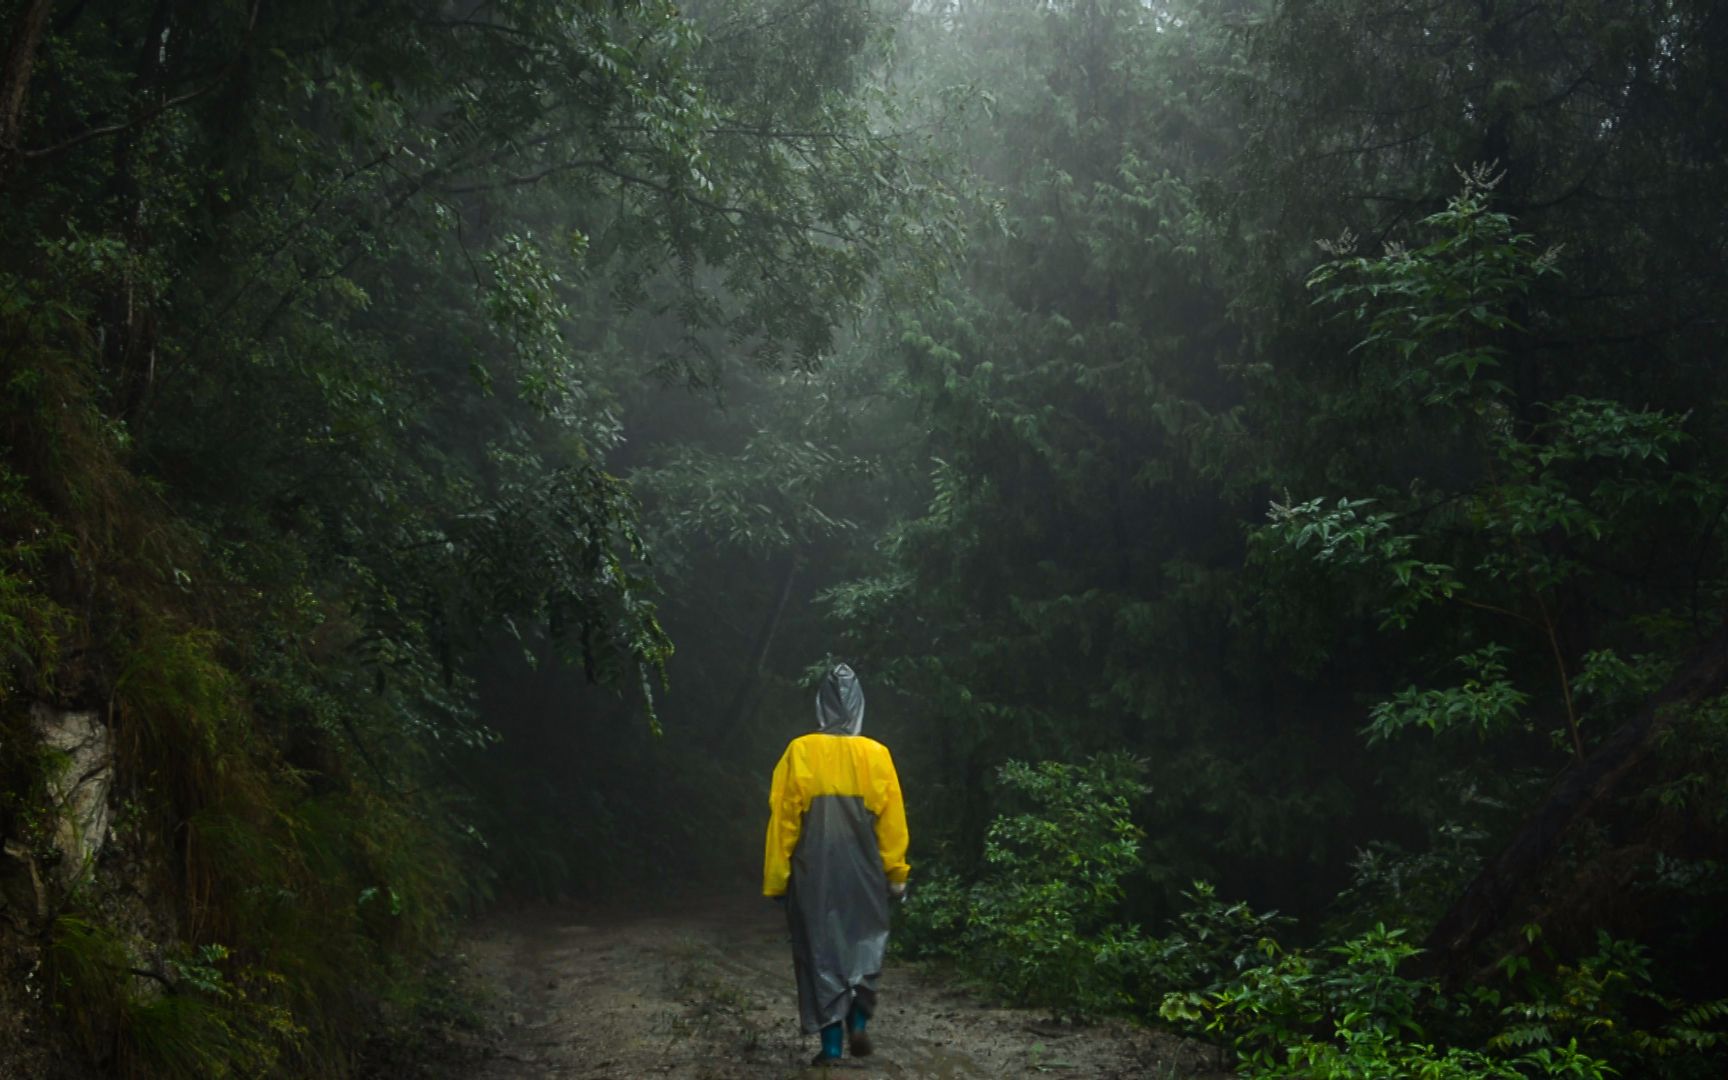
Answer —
(705, 993)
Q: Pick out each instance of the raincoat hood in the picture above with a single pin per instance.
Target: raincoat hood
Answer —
(840, 703)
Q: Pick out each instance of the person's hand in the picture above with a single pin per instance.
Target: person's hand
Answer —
(897, 889)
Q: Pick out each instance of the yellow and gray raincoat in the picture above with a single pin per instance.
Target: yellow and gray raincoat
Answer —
(836, 840)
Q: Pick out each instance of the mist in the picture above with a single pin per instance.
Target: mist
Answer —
(1260, 460)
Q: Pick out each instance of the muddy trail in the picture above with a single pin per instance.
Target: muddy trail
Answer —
(706, 993)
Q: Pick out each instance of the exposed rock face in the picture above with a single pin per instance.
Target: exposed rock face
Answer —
(64, 835)
(78, 786)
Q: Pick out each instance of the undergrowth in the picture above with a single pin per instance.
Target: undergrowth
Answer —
(263, 891)
(1040, 927)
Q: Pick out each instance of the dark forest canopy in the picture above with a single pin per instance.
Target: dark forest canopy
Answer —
(1258, 455)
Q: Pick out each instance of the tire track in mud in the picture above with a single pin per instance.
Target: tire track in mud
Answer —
(706, 993)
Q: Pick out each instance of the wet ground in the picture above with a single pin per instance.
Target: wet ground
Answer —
(705, 993)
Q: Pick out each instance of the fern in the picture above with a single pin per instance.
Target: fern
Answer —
(1522, 1036)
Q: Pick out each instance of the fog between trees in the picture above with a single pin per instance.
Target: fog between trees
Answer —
(1258, 456)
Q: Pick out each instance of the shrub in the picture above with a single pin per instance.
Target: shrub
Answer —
(1037, 927)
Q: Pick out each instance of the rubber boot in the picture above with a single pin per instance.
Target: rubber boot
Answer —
(858, 1039)
(831, 1040)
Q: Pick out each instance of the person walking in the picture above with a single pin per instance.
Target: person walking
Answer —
(836, 855)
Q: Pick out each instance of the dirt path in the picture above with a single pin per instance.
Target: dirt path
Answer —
(706, 994)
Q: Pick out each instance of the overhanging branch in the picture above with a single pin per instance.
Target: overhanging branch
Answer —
(152, 113)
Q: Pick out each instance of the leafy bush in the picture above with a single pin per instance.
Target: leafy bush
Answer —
(1213, 940)
(1609, 1002)
(1042, 926)
(1038, 926)
(1349, 1013)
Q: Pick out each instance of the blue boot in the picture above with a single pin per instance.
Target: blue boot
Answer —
(859, 1041)
(831, 1039)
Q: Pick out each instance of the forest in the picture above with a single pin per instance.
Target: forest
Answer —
(1265, 460)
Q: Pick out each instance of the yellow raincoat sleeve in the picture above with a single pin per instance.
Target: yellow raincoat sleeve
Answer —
(785, 818)
(891, 835)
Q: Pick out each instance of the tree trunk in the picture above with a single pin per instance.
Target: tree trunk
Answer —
(739, 708)
(130, 341)
(1488, 901)
(15, 76)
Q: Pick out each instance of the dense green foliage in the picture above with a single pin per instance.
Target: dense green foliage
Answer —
(1273, 444)
(1037, 924)
(315, 319)
(1366, 555)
